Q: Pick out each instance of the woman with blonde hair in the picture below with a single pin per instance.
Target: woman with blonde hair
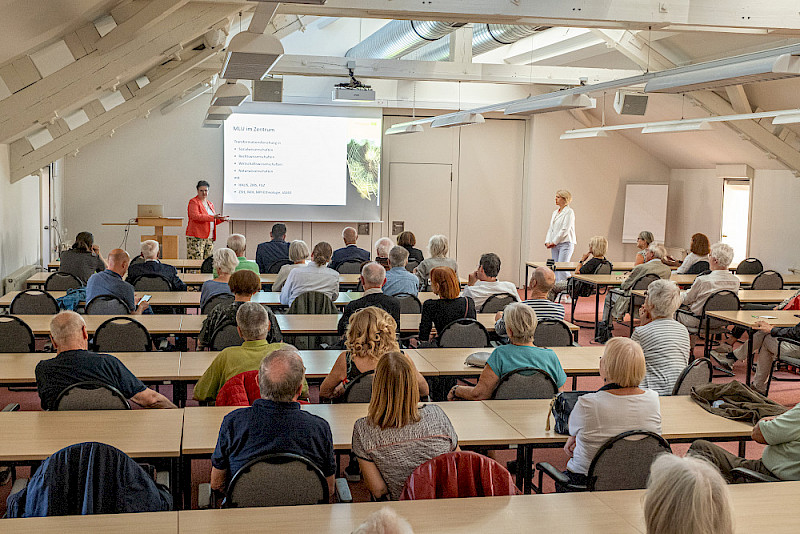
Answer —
(398, 435)
(312, 277)
(371, 333)
(590, 261)
(438, 246)
(686, 496)
(561, 233)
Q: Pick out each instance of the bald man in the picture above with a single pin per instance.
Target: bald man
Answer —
(75, 363)
(542, 281)
(110, 283)
(373, 276)
(350, 252)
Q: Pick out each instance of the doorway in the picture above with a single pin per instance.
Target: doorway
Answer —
(736, 216)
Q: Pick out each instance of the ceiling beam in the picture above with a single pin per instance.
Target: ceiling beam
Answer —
(154, 12)
(738, 99)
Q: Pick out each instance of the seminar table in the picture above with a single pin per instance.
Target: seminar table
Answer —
(149, 522)
(155, 324)
(181, 265)
(197, 279)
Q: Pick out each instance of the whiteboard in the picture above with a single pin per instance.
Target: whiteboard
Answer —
(645, 209)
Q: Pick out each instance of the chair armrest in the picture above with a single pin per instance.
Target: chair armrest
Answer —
(208, 498)
(553, 473)
(13, 407)
(342, 489)
(748, 475)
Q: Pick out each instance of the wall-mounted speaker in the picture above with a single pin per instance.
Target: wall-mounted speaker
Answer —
(268, 90)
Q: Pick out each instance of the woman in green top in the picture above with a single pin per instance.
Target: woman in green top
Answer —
(520, 326)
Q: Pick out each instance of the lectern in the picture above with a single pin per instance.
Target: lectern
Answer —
(167, 243)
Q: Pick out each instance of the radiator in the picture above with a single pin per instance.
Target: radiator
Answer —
(16, 280)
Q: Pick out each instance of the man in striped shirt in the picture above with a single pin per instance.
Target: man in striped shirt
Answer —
(541, 283)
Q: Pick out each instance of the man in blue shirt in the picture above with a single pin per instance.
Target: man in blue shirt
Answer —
(110, 283)
(350, 252)
(398, 279)
(274, 423)
(273, 251)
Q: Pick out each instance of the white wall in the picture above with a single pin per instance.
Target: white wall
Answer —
(19, 219)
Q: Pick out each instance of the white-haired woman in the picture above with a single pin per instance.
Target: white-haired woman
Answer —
(664, 340)
(225, 263)
(438, 246)
(561, 233)
(298, 255)
(686, 495)
(382, 248)
(520, 325)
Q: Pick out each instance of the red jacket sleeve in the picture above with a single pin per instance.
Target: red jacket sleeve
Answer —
(197, 212)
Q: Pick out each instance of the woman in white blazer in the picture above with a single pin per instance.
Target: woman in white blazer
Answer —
(561, 234)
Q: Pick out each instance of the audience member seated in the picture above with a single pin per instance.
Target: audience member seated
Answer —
(398, 435)
(225, 264)
(520, 326)
(83, 259)
(686, 495)
(312, 277)
(373, 276)
(398, 279)
(447, 308)
(384, 521)
(643, 242)
(350, 251)
(780, 458)
(408, 241)
(704, 286)
(617, 407)
(483, 283)
(75, 363)
(589, 262)
(110, 283)
(370, 334)
(243, 286)
(382, 248)
(274, 423)
(664, 340)
(238, 244)
(252, 320)
(437, 247)
(616, 306)
(541, 284)
(151, 265)
(698, 251)
(273, 251)
(298, 255)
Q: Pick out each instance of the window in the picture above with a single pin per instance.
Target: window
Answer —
(736, 216)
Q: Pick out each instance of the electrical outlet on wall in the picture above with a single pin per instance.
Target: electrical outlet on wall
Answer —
(363, 228)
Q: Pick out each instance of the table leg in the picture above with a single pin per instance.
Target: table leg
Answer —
(526, 280)
(596, 306)
(179, 392)
(575, 383)
(742, 448)
(630, 312)
(749, 369)
(175, 481)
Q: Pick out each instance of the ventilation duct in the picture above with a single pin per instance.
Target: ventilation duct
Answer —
(485, 38)
(399, 37)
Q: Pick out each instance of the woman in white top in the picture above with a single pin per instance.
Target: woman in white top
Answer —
(698, 251)
(618, 407)
(561, 234)
(643, 242)
(298, 254)
(313, 277)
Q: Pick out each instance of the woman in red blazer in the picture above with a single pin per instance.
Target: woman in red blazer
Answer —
(201, 230)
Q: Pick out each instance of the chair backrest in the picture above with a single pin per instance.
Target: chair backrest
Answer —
(458, 474)
(207, 267)
(350, 267)
(312, 302)
(227, 336)
(106, 305)
(34, 302)
(15, 335)
(411, 265)
(276, 265)
(91, 395)
(61, 281)
(216, 300)
(698, 267)
(279, 479)
(409, 303)
(603, 268)
(151, 282)
(359, 389)
(749, 266)
(552, 333)
(698, 373)
(464, 333)
(121, 334)
(723, 300)
(525, 383)
(768, 280)
(623, 462)
(496, 303)
(645, 281)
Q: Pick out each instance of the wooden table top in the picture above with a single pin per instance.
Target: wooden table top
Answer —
(197, 279)
(178, 263)
(150, 522)
(155, 324)
(20, 368)
(749, 317)
(572, 265)
(138, 433)
(681, 418)
(680, 279)
(749, 296)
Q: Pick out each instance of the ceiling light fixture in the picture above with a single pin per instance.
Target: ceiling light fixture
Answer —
(535, 105)
(218, 113)
(230, 94)
(789, 118)
(584, 134)
(463, 118)
(680, 126)
(400, 129)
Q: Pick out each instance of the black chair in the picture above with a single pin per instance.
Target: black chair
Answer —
(783, 359)
(409, 303)
(91, 395)
(698, 267)
(216, 300)
(227, 336)
(552, 333)
(276, 266)
(61, 281)
(151, 282)
(207, 267)
(33, 302)
(749, 266)
(723, 300)
(358, 390)
(464, 333)
(525, 383)
(350, 267)
(122, 334)
(496, 303)
(766, 280)
(106, 305)
(622, 463)
(15, 335)
(744, 475)
(696, 374)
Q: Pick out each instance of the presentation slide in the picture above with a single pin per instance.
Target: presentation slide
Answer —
(302, 166)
